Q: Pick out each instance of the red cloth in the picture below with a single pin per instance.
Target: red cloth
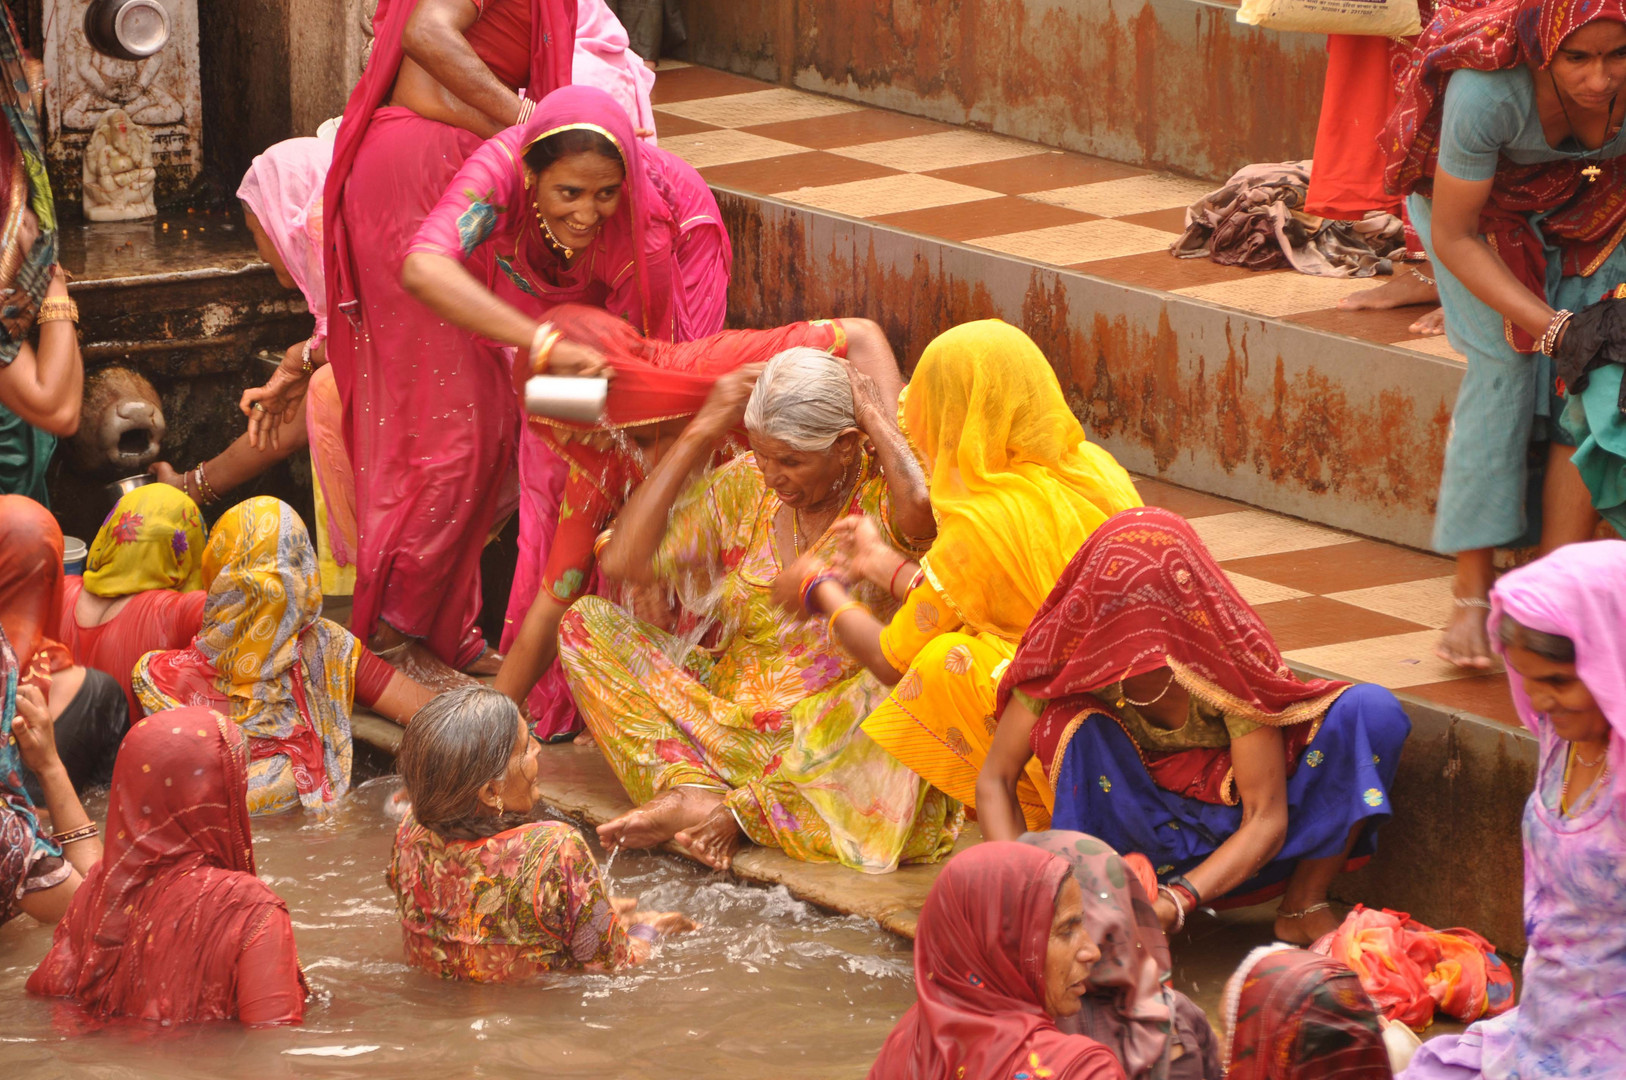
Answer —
(1346, 178)
(429, 420)
(155, 619)
(1293, 1015)
(172, 925)
(1143, 592)
(372, 677)
(501, 36)
(1408, 969)
(1587, 218)
(31, 588)
(980, 950)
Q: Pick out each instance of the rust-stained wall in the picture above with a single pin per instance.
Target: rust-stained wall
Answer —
(1174, 84)
(1272, 413)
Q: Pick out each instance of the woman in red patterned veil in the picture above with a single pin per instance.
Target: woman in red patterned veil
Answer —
(1507, 142)
(1168, 725)
(173, 925)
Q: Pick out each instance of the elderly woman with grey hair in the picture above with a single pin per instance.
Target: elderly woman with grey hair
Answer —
(485, 893)
(735, 720)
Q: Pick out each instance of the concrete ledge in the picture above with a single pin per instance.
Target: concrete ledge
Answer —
(1272, 413)
(1168, 84)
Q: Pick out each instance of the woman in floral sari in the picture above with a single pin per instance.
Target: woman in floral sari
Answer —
(754, 729)
(1015, 489)
(265, 658)
(485, 894)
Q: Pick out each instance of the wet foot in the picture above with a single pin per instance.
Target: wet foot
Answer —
(1402, 290)
(1465, 642)
(412, 658)
(489, 662)
(715, 840)
(584, 737)
(1307, 929)
(660, 819)
(1430, 325)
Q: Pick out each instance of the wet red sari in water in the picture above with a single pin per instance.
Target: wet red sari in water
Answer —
(173, 925)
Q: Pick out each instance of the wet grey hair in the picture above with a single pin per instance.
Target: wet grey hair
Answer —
(1555, 647)
(802, 398)
(455, 745)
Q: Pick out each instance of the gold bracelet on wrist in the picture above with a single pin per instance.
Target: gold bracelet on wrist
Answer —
(83, 832)
(542, 343)
(305, 364)
(58, 309)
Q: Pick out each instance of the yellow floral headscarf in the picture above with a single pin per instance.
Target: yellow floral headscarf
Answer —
(287, 674)
(1015, 486)
(153, 539)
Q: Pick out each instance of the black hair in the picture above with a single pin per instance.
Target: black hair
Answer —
(562, 144)
(1555, 647)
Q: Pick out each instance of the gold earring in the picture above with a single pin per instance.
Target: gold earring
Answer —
(499, 806)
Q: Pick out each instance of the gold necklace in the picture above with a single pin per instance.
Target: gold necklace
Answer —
(1597, 785)
(567, 253)
(1124, 698)
(796, 515)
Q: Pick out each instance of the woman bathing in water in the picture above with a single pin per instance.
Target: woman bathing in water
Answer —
(754, 731)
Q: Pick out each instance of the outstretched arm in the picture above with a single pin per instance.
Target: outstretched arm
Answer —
(45, 386)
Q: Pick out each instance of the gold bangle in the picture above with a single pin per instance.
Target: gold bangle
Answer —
(83, 832)
(542, 343)
(842, 609)
(58, 309)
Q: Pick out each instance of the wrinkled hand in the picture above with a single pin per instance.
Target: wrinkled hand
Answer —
(787, 587)
(725, 405)
(869, 406)
(665, 922)
(861, 551)
(34, 731)
(165, 474)
(270, 406)
(651, 604)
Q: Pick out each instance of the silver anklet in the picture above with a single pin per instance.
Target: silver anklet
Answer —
(1424, 278)
(1311, 910)
(1470, 601)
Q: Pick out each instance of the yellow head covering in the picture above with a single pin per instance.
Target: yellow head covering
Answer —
(1015, 486)
(153, 539)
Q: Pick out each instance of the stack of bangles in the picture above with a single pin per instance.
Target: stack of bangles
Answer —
(68, 836)
(542, 343)
(58, 309)
(527, 106)
(1549, 340)
(914, 582)
(1184, 896)
(601, 542)
(198, 487)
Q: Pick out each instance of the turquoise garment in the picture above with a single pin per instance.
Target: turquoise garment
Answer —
(1490, 490)
(1489, 115)
(25, 451)
(1595, 422)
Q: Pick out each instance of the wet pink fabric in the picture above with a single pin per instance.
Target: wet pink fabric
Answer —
(430, 416)
(604, 58)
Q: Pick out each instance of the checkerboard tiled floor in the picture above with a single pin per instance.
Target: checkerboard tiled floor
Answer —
(1100, 217)
(1365, 610)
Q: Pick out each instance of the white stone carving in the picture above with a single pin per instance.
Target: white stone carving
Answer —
(160, 94)
(118, 174)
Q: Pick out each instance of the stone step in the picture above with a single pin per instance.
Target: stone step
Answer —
(1171, 84)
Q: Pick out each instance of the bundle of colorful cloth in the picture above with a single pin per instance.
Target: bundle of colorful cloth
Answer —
(1410, 970)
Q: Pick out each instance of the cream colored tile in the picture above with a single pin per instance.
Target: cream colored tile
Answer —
(1433, 346)
(1083, 241)
(759, 107)
(1426, 601)
(1131, 195)
(1244, 533)
(886, 195)
(725, 146)
(1277, 294)
(1397, 661)
(1257, 592)
(941, 150)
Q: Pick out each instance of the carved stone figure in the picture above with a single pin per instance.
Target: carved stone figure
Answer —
(121, 424)
(119, 177)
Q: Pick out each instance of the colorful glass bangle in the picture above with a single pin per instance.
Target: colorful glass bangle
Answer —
(83, 832)
(842, 609)
(810, 585)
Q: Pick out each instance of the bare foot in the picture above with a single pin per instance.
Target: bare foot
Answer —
(584, 737)
(412, 658)
(659, 819)
(715, 840)
(1465, 642)
(1402, 290)
(1307, 929)
(489, 662)
(1430, 325)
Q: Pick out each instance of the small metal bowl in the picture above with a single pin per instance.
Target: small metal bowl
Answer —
(118, 489)
(127, 29)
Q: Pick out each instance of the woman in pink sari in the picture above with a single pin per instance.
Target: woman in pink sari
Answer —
(612, 223)
(604, 58)
(430, 416)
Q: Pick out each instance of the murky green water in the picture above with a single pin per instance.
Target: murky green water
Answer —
(768, 987)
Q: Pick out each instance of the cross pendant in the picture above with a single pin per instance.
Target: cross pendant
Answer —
(1591, 172)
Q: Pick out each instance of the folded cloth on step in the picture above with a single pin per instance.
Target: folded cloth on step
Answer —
(1409, 969)
(1256, 220)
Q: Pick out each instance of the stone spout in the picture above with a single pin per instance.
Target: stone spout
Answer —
(121, 427)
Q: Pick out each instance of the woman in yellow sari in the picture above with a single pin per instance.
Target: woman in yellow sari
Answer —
(1016, 489)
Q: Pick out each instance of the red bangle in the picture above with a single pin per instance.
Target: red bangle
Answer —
(892, 586)
(1186, 894)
